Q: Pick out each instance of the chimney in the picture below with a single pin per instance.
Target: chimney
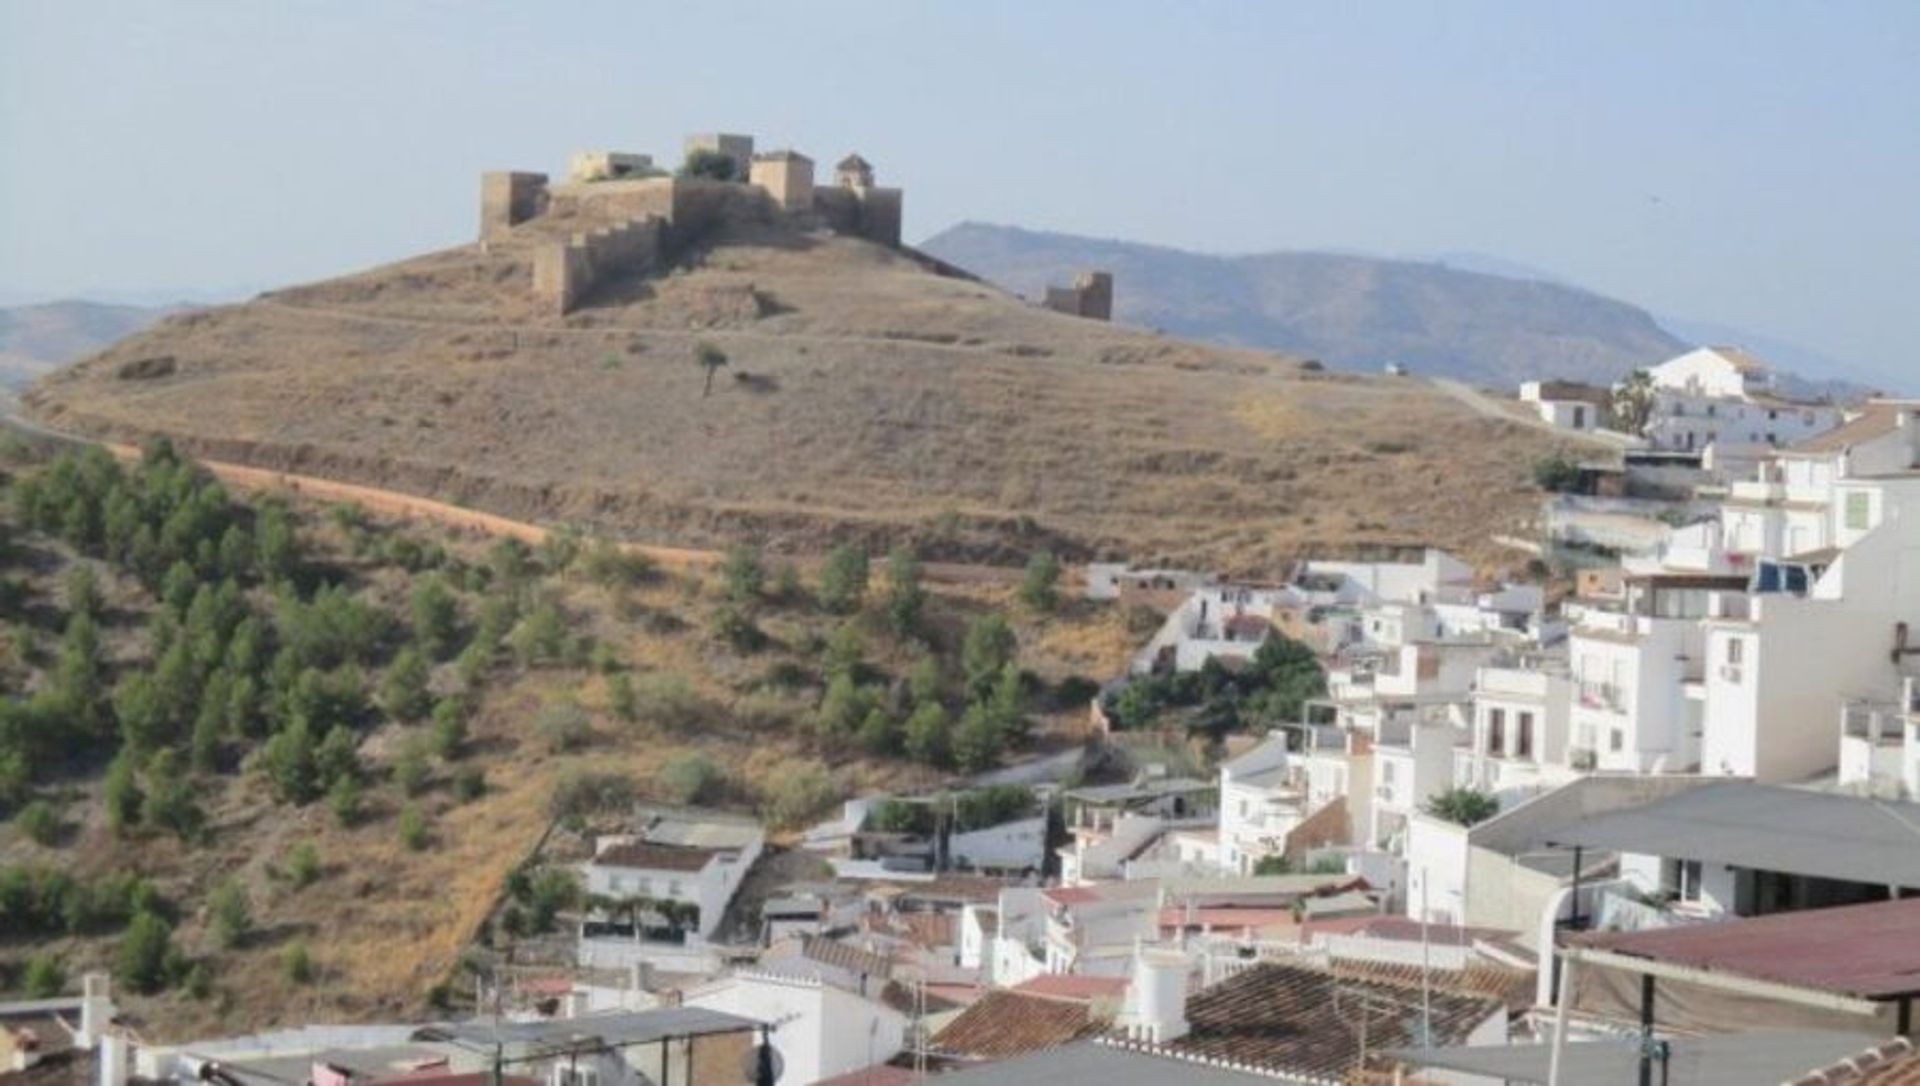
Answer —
(96, 1010)
(111, 1067)
(1155, 1011)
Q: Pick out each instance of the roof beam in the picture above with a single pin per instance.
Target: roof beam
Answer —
(1727, 982)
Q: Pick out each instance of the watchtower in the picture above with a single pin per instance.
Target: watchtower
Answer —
(787, 176)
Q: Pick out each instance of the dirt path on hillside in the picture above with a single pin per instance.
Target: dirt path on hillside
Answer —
(1505, 411)
(401, 506)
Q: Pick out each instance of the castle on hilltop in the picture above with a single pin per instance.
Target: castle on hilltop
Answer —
(617, 214)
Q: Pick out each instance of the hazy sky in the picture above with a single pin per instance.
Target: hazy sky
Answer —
(1749, 163)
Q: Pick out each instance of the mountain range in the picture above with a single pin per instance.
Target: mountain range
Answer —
(35, 339)
(1465, 316)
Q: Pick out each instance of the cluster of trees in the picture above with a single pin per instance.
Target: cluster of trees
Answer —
(912, 716)
(1271, 689)
(917, 715)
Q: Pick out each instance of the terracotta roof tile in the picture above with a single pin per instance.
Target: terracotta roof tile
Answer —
(1073, 986)
(1008, 1023)
(647, 856)
(1289, 1019)
(1876, 420)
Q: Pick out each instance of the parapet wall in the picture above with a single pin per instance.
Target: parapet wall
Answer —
(686, 206)
(566, 271)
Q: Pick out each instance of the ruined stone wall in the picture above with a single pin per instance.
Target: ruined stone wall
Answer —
(1090, 296)
(870, 213)
(880, 214)
(564, 272)
(508, 197)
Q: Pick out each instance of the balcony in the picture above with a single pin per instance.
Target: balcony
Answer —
(1878, 723)
(1605, 697)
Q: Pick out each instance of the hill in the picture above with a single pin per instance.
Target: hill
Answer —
(1352, 312)
(867, 396)
(357, 729)
(35, 339)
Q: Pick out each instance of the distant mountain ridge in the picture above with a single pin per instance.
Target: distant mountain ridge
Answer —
(35, 339)
(1351, 312)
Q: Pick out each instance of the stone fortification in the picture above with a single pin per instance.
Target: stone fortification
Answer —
(617, 215)
(1090, 296)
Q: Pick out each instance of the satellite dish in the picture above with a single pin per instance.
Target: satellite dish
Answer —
(763, 1065)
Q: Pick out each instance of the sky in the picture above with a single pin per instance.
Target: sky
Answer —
(1753, 164)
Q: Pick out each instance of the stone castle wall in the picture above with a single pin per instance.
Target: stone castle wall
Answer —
(564, 272)
(870, 213)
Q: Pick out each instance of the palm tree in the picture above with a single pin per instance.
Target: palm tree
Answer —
(711, 358)
(1464, 806)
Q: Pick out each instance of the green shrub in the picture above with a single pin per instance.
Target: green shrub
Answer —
(692, 778)
(564, 726)
(843, 579)
(469, 784)
(145, 948)
(668, 700)
(413, 828)
(44, 977)
(297, 962)
(804, 791)
(40, 822)
(1040, 587)
(449, 735)
(232, 913)
(303, 865)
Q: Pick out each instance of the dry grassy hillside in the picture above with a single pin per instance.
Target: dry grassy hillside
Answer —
(383, 922)
(866, 397)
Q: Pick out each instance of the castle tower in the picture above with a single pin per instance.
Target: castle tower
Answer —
(787, 176)
(853, 172)
(508, 197)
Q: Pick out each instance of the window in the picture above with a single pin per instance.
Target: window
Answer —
(1386, 772)
(1859, 511)
(1523, 736)
(1496, 731)
(1736, 651)
(1617, 741)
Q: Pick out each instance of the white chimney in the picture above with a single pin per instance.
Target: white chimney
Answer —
(1155, 1011)
(96, 1010)
(110, 1069)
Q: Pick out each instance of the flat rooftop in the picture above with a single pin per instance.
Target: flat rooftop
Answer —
(1767, 827)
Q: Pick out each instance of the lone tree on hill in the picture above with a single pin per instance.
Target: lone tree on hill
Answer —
(711, 358)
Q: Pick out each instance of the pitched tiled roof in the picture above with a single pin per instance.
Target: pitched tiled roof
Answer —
(1514, 987)
(1876, 420)
(1893, 1063)
(1289, 1019)
(1741, 361)
(647, 856)
(1007, 1023)
(1073, 986)
(844, 956)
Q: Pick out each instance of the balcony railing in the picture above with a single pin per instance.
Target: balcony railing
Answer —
(1602, 696)
(1877, 722)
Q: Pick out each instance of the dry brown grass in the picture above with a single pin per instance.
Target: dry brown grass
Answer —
(866, 398)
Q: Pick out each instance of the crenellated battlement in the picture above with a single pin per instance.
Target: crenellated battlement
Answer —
(635, 216)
